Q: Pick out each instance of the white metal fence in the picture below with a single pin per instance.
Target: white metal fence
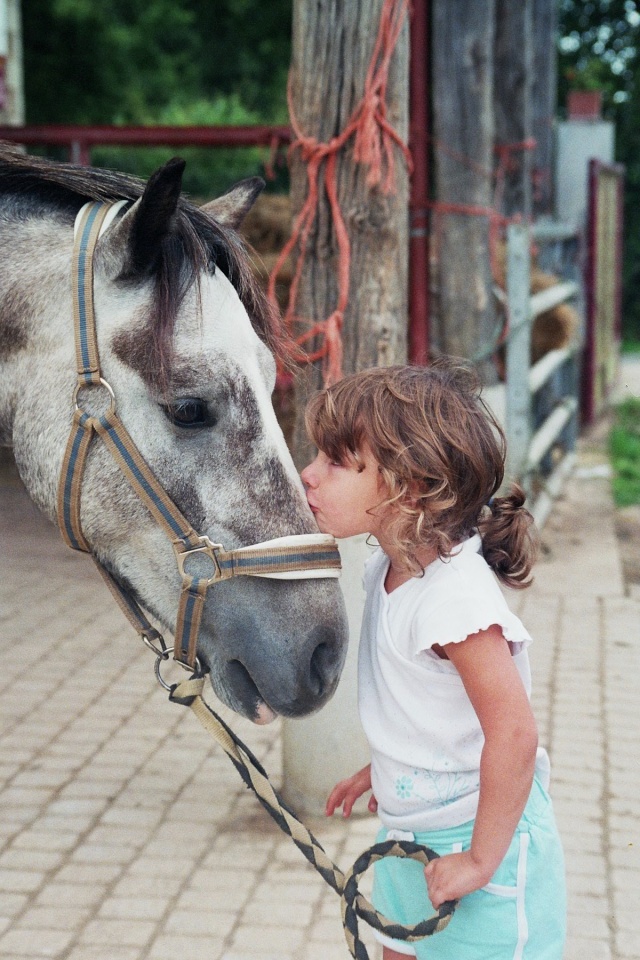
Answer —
(541, 401)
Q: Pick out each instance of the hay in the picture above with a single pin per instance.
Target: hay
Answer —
(266, 229)
(552, 330)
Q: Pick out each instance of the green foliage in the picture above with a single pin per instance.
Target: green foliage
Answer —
(209, 172)
(245, 48)
(124, 61)
(624, 449)
(599, 48)
(160, 62)
(109, 62)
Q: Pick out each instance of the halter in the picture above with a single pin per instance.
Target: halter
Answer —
(200, 562)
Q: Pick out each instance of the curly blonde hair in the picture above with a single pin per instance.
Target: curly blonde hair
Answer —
(440, 452)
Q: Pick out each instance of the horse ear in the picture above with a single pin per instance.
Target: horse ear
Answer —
(135, 240)
(232, 207)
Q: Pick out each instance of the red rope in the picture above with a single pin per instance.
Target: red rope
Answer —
(374, 140)
(497, 220)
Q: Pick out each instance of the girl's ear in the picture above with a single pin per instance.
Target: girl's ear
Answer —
(413, 496)
(385, 482)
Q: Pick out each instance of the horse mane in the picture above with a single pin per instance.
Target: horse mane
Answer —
(196, 244)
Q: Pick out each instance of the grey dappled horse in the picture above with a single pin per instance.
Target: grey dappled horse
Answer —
(187, 342)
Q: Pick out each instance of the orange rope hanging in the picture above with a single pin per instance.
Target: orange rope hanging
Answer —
(497, 220)
(373, 146)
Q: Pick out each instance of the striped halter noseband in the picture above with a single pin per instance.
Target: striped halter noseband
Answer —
(201, 563)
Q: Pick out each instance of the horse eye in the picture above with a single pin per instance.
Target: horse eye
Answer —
(188, 412)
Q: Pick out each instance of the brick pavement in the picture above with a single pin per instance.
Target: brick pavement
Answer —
(126, 835)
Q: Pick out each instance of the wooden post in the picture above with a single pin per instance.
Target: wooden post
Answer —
(512, 85)
(462, 56)
(332, 47)
(543, 102)
(420, 110)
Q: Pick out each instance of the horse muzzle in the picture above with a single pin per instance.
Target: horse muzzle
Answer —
(274, 648)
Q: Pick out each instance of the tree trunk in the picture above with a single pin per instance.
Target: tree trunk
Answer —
(544, 99)
(513, 80)
(462, 45)
(332, 47)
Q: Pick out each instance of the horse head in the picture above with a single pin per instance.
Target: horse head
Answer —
(187, 343)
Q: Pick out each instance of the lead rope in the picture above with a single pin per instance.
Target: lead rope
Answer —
(354, 905)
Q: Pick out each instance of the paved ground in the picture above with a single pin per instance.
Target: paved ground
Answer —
(125, 835)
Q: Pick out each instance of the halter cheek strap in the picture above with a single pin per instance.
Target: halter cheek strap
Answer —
(201, 563)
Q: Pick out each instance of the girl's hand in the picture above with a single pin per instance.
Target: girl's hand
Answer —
(345, 793)
(453, 876)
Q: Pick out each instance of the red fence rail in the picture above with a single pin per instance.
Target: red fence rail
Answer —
(603, 286)
(80, 140)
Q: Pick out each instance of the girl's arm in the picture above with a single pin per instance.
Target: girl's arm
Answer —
(497, 694)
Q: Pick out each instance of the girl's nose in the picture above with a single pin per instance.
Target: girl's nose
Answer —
(307, 475)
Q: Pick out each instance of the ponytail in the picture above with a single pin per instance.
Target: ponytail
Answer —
(509, 539)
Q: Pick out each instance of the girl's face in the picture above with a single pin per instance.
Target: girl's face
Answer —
(345, 499)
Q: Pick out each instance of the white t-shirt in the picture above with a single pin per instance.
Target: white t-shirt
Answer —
(424, 734)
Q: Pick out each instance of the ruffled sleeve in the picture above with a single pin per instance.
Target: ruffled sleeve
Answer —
(457, 618)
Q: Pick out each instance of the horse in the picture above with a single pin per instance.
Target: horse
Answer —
(188, 344)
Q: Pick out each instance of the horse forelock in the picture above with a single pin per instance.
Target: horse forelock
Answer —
(195, 246)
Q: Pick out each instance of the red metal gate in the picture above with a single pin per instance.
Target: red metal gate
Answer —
(603, 287)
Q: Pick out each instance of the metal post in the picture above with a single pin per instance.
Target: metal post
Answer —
(518, 395)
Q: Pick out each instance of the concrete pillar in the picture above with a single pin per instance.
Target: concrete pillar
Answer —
(578, 142)
(330, 745)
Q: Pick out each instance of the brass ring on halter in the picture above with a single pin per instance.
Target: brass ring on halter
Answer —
(88, 385)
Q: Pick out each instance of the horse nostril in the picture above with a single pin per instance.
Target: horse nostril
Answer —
(243, 682)
(318, 668)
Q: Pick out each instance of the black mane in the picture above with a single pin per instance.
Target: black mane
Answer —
(195, 245)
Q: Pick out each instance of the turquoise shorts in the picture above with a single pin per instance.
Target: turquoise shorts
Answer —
(519, 915)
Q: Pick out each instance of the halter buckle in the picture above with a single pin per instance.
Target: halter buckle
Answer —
(206, 549)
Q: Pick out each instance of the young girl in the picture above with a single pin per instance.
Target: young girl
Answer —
(412, 456)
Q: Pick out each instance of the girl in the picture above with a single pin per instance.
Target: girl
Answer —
(412, 456)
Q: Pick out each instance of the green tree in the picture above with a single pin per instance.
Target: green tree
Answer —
(245, 48)
(111, 62)
(120, 61)
(599, 48)
(155, 62)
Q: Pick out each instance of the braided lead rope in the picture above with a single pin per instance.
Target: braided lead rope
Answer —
(354, 904)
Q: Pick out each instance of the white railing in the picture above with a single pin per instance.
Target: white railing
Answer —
(539, 455)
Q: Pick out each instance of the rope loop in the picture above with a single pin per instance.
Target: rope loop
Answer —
(354, 905)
